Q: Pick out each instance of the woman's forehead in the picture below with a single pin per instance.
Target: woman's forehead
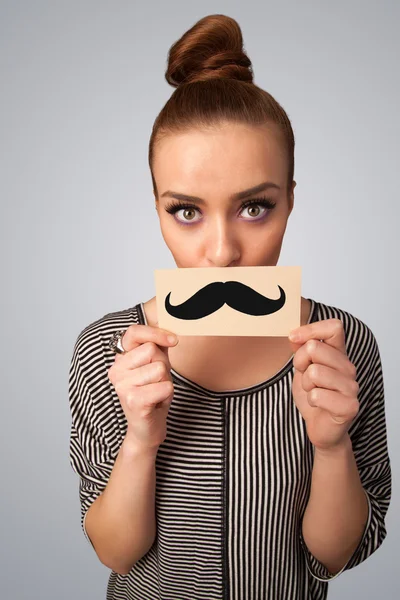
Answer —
(223, 154)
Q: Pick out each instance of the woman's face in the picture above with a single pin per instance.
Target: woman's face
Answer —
(216, 227)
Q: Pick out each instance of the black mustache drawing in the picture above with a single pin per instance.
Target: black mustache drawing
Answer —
(214, 295)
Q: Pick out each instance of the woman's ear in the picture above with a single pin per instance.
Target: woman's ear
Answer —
(291, 197)
(156, 201)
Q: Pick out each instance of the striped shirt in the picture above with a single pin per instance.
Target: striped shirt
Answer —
(233, 475)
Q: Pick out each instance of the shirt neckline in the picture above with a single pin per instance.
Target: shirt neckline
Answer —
(313, 316)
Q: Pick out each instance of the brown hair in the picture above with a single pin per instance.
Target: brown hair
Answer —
(214, 81)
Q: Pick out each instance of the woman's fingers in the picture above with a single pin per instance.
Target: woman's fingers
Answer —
(139, 334)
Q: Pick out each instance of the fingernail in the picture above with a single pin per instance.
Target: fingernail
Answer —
(173, 339)
(294, 337)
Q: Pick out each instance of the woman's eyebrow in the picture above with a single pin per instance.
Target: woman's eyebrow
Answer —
(237, 196)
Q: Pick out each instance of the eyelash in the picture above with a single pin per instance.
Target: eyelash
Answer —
(173, 207)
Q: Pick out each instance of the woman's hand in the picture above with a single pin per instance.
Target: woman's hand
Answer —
(324, 385)
(143, 382)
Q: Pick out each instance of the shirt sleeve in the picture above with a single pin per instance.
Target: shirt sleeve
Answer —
(91, 449)
(369, 440)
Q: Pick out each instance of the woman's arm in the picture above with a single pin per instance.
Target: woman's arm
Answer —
(121, 523)
(337, 511)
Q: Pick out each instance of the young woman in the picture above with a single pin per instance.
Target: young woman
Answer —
(227, 467)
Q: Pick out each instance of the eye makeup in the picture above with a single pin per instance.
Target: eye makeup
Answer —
(175, 206)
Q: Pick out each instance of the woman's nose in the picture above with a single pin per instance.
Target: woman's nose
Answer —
(221, 245)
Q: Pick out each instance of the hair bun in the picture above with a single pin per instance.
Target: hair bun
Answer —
(212, 48)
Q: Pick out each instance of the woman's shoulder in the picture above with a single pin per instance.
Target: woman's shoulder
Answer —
(104, 326)
(99, 331)
(353, 326)
(361, 343)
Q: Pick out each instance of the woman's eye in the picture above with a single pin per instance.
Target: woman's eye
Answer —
(254, 210)
(188, 213)
(257, 210)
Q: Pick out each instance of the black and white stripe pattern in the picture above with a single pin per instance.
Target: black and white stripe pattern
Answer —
(233, 475)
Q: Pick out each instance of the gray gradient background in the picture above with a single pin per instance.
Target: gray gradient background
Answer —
(81, 85)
